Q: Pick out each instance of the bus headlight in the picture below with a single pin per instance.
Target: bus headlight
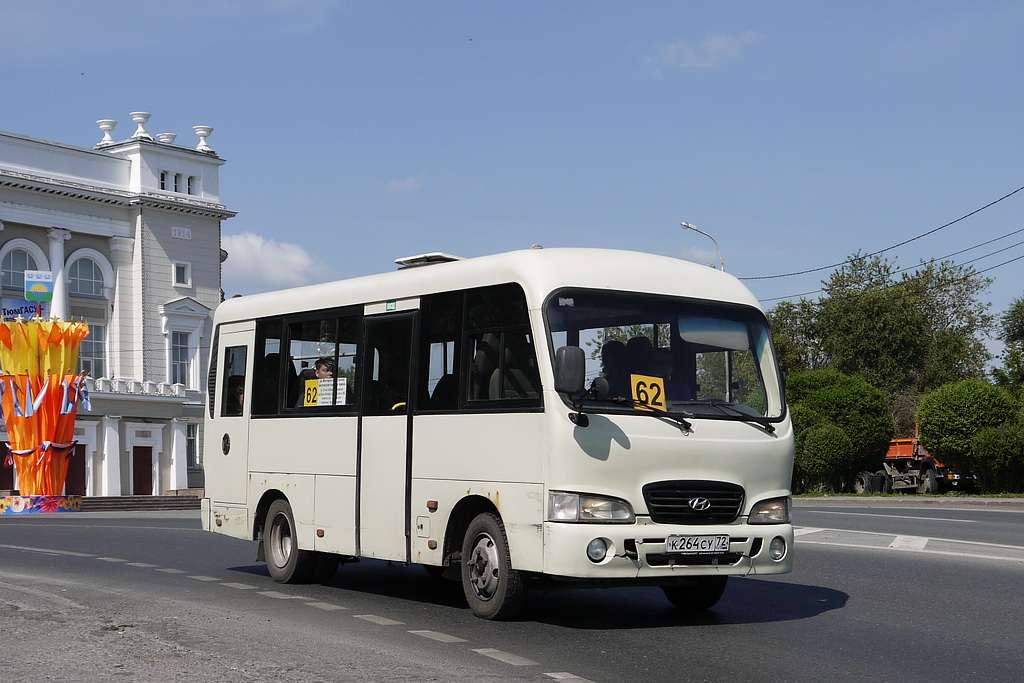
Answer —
(771, 511)
(575, 507)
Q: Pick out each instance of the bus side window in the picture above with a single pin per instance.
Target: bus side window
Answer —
(266, 368)
(233, 387)
(441, 316)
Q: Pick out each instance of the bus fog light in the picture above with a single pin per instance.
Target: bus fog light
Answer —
(777, 548)
(597, 550)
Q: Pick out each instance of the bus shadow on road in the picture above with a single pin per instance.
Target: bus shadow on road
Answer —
(746, 600)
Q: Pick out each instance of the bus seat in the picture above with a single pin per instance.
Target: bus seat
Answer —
(446, 393)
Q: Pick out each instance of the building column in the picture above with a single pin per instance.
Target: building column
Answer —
(179, 464)
(120, 329)
(59, 305)
(110, 473)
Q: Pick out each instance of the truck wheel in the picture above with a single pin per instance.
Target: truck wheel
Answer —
(285, 562)
(929, 483)
(862, 483)
(886, 481)
(703, 593)
(494, 590)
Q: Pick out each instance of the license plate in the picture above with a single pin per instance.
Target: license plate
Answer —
(697, 545)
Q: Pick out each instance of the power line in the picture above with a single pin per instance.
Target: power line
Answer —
(882, 251)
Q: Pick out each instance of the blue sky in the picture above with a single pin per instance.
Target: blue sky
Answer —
(796, 133)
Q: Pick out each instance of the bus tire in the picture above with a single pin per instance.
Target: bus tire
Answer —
(493, 589)
(285, 562)
(703, 593)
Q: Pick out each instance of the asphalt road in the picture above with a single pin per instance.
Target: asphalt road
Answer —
(881, 591)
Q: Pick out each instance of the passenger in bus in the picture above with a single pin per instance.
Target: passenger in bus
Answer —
(323, 368)
(614, 365)
(662, 365)
(234, 397)
(638, 355)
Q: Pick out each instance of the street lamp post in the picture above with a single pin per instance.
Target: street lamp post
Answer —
(688, 226)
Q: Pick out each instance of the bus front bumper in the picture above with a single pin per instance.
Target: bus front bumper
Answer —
(641, 551)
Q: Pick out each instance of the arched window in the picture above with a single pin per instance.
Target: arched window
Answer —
(14, 264)
(85, 277)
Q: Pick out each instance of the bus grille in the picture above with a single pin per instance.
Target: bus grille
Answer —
(679, 502)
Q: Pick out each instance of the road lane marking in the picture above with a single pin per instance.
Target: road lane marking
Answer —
(878, 514)
(441, 637)
(324, 606)
(48, 551)
(171, 570)
(144, 565)
(566, 676)
(239, 586)
(382, 621)
(507, 657)
(200, 577)
(909, 543)
(111, 559)
(280, 596)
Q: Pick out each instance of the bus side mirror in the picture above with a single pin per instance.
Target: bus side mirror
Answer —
(570, 369)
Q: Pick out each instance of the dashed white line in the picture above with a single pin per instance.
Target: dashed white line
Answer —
(170, 570)
(144, 565)
(280, 596)
(239, 586)
(507, 657)
(373, 618)
(441, 637)
(200, 577)
(324, 606)
(566, 676)
(110, 559)
(909, 543)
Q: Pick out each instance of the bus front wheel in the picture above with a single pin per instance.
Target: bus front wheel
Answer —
(494, 590)
(285, 562)
(702, 593)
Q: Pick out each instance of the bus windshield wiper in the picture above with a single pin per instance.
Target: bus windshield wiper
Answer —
(739, 410)
(598, 391)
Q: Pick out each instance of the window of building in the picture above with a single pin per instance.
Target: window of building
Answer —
(163, 180)
(181, 358)
(177, 182)
(182, 274)
(192, 445)
(85, 277)
(92, 352)
(14, 265)
(193, 185)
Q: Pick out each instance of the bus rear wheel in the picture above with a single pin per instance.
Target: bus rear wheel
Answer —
(285, 562)
(493, 589)
(703, 592)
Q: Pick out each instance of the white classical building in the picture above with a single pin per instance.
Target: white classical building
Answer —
(130, 230)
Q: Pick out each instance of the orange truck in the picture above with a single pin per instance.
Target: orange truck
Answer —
(908, 468)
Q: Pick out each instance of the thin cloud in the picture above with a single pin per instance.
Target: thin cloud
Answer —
(256, 264)
(410, 184)
(715, 51)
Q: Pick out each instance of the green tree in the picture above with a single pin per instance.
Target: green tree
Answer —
(1011, 374)
(952, 416)
(999, 456)
(828, 396)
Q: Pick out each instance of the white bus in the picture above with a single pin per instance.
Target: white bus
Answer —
(541, 418)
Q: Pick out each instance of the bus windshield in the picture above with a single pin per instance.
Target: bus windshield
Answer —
(696, 358)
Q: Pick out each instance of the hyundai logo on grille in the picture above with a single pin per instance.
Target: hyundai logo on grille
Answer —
(699, 504)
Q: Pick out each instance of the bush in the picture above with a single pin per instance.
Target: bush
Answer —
(954, 414)
(999, 457)
(851, 404)
(826, 453)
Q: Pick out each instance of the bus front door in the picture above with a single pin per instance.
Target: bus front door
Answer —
(385, 439)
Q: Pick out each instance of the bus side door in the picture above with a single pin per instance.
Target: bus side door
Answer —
(226, 448)
(385, 438)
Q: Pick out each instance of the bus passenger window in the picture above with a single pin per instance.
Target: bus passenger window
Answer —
(504, 367)
(233, 385)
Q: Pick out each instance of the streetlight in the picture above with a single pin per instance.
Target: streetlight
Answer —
(688, 226)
